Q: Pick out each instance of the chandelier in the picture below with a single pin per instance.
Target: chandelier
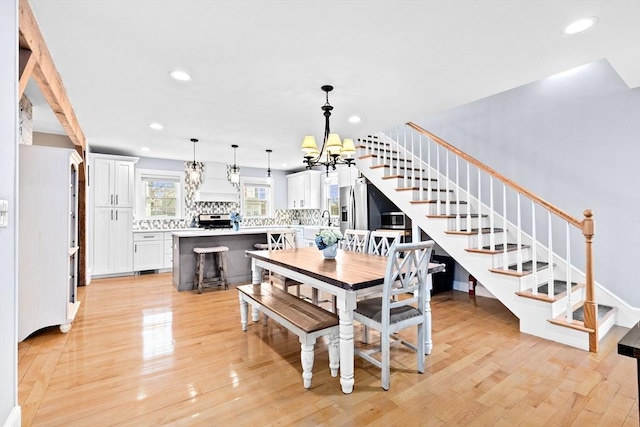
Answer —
(333, 151)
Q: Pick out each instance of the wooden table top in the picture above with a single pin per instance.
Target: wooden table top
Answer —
(349, 270)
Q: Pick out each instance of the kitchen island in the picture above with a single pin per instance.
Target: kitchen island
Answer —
(238, 266)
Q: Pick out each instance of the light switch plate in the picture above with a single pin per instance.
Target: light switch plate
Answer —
(4, 213)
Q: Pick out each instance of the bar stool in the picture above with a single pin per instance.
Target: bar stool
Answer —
(219, 262)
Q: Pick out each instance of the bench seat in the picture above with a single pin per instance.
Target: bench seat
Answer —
(306, 320)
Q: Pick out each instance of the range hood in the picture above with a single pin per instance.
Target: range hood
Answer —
(215, 186)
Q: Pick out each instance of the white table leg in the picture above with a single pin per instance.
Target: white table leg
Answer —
(428, 343)
(346, 302)
(243, 312)
(256, 279)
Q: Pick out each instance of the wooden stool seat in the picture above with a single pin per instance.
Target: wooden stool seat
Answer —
(219, 264)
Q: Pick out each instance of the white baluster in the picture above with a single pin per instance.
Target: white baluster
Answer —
(429, 185)
(568, 278)
(457, 193)
(406, 164)
(421, 169)
(479, 213)
(551, 280)
(413, 157)
(534, 249)
(468, 208)
(492, 234)
(505, 242)
(448, 196)
(519, 235)
(439, 175)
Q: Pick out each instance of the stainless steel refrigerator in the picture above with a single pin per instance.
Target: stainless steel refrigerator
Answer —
(361, 205)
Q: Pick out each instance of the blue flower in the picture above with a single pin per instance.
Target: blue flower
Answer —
(235, 217)
(327, 237)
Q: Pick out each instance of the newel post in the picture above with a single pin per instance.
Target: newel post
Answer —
(590, 306)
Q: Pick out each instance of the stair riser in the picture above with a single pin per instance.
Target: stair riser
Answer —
(559, 308)
(512, 258)
(473, 239)
(443, 209)
(464, 223)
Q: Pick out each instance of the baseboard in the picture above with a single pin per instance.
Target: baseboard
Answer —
(15, 418)
(627, 316)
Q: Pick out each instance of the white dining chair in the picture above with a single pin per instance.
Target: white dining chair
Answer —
(279, 239)
(356, 240)
(405, 278)
(380, 241)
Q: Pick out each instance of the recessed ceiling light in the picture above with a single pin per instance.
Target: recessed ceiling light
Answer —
(145, 149)
(156, 126)
(354, 119)
(180, 75)
(580, 25)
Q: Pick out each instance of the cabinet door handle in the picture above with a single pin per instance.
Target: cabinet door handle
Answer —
(111, 214)
(135, 248)
(117, 199)
(116, 215)
(112, 199)
(148, 237)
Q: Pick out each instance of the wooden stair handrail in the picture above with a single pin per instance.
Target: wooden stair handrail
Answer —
(559, 212)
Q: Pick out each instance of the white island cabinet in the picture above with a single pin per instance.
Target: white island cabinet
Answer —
(48, 238)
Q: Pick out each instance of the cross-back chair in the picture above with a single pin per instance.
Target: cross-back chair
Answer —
(380, 241)
(401, 305)
(279, 239)
(356, 240)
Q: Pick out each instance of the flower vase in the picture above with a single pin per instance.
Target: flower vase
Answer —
(236, 226)
(330, 251)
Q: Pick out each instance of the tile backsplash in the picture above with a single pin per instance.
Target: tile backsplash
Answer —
(281, 217)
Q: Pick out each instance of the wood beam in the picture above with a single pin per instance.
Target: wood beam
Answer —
(46, 74)
(27, 63)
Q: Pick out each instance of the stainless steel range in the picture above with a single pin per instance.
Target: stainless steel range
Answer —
(214, 221)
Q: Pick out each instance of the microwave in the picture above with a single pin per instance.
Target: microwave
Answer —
(395, 221)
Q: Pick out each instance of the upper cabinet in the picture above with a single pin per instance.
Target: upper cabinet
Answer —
(303, 190)
(113, 186)
(347, 176)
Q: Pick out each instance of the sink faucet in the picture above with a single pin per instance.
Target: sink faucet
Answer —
(328, 217)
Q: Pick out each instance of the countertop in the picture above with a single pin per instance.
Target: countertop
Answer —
(250, 229)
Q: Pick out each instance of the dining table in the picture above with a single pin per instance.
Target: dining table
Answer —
(349, 276)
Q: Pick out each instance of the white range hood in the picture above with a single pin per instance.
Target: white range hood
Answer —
(215, 186)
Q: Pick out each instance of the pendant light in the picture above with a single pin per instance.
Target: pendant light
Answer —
(194, 174)
(234, 173)
(269, 164)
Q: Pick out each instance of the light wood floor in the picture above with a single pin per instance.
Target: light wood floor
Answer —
(142, 354)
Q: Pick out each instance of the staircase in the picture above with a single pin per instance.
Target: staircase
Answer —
(517, 245)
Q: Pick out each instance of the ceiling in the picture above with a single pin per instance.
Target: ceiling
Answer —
(258, 66)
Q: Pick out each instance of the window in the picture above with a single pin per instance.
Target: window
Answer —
(159, 194)
(257, 198)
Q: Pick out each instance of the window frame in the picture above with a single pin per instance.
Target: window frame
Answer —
(141, 174)
(270, 200)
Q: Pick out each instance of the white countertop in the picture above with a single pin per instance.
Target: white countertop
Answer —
(201, 232)
(249, 230)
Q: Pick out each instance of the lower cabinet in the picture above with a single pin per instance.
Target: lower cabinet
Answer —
(113, 241)
(168, 250)
(148, 251)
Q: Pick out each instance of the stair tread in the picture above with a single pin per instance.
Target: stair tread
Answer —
(499, 248)
(528, 266)
(484, 230)
(453, 202)
(453, 216)
(559, 291)
(443, 190)
(394, 167)
(603, 310)
(402, 176)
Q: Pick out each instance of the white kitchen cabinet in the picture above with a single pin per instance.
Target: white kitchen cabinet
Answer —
(347, 176)
(48, 232)
(112, 195)
(148, 251)
(168, 250)
(113, 241)
(113, 182)
(303, 190)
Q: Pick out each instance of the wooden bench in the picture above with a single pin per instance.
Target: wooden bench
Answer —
(306, 320)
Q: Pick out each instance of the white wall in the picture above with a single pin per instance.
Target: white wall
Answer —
(573, 139)
(9, 409)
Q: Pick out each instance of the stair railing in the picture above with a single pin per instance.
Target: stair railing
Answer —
(430, 178)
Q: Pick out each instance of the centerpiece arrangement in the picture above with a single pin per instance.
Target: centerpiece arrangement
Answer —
(236, 219)
(327, 242)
